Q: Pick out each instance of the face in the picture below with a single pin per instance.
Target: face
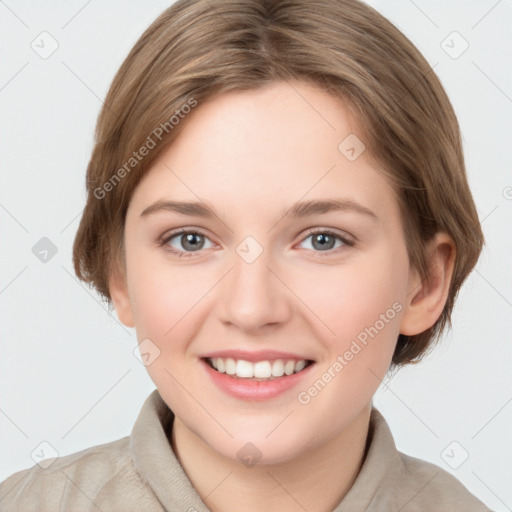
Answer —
(247, 289)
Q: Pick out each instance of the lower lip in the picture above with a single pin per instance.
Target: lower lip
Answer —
(246, 389)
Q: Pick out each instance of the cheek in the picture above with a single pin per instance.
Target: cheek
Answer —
(364, 311)
(350, 298)
(167, 298)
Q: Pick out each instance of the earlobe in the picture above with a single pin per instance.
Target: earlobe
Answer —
(426, 298)
(119, 293)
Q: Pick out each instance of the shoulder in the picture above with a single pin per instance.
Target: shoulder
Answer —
(85, 480)
(430, 487)
(399, 482)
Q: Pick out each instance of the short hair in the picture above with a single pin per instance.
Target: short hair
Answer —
(197, 49)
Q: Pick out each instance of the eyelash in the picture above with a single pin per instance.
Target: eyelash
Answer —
(164, 243)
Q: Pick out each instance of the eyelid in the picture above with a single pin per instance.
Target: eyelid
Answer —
(168, 235)
(342, 235)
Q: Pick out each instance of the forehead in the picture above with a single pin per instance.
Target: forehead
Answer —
(265, 149)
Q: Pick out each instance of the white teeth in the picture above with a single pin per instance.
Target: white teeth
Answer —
(220, 365)
(278, 368)
(244, 369)
(289, 367)
(229, 366)
(299, 365)
(260, 370)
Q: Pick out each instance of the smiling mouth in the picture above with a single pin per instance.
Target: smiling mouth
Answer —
(258, 371)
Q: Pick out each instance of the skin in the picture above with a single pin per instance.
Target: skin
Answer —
(249, 155)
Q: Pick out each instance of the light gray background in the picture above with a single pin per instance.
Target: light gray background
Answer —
(68, 374)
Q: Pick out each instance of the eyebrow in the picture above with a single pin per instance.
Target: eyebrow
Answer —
(297, 210)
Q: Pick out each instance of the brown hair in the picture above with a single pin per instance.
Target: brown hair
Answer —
(197, 49)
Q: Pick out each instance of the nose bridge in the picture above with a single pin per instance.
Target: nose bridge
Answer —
(251, 266)
(253, 295)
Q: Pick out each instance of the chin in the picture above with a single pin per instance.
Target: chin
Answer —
(253, 447)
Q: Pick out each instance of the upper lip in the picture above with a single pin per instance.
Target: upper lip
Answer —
(259, 355)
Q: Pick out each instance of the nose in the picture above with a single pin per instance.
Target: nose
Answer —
(254, 296)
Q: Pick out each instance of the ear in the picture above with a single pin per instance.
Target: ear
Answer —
(426, 298)
(119, 293)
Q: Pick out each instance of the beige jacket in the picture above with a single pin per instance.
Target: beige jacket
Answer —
(140, 473)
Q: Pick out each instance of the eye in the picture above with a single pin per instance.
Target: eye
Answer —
(323, 240)
(190, 241)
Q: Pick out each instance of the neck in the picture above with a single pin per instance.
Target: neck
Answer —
(317, 480)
